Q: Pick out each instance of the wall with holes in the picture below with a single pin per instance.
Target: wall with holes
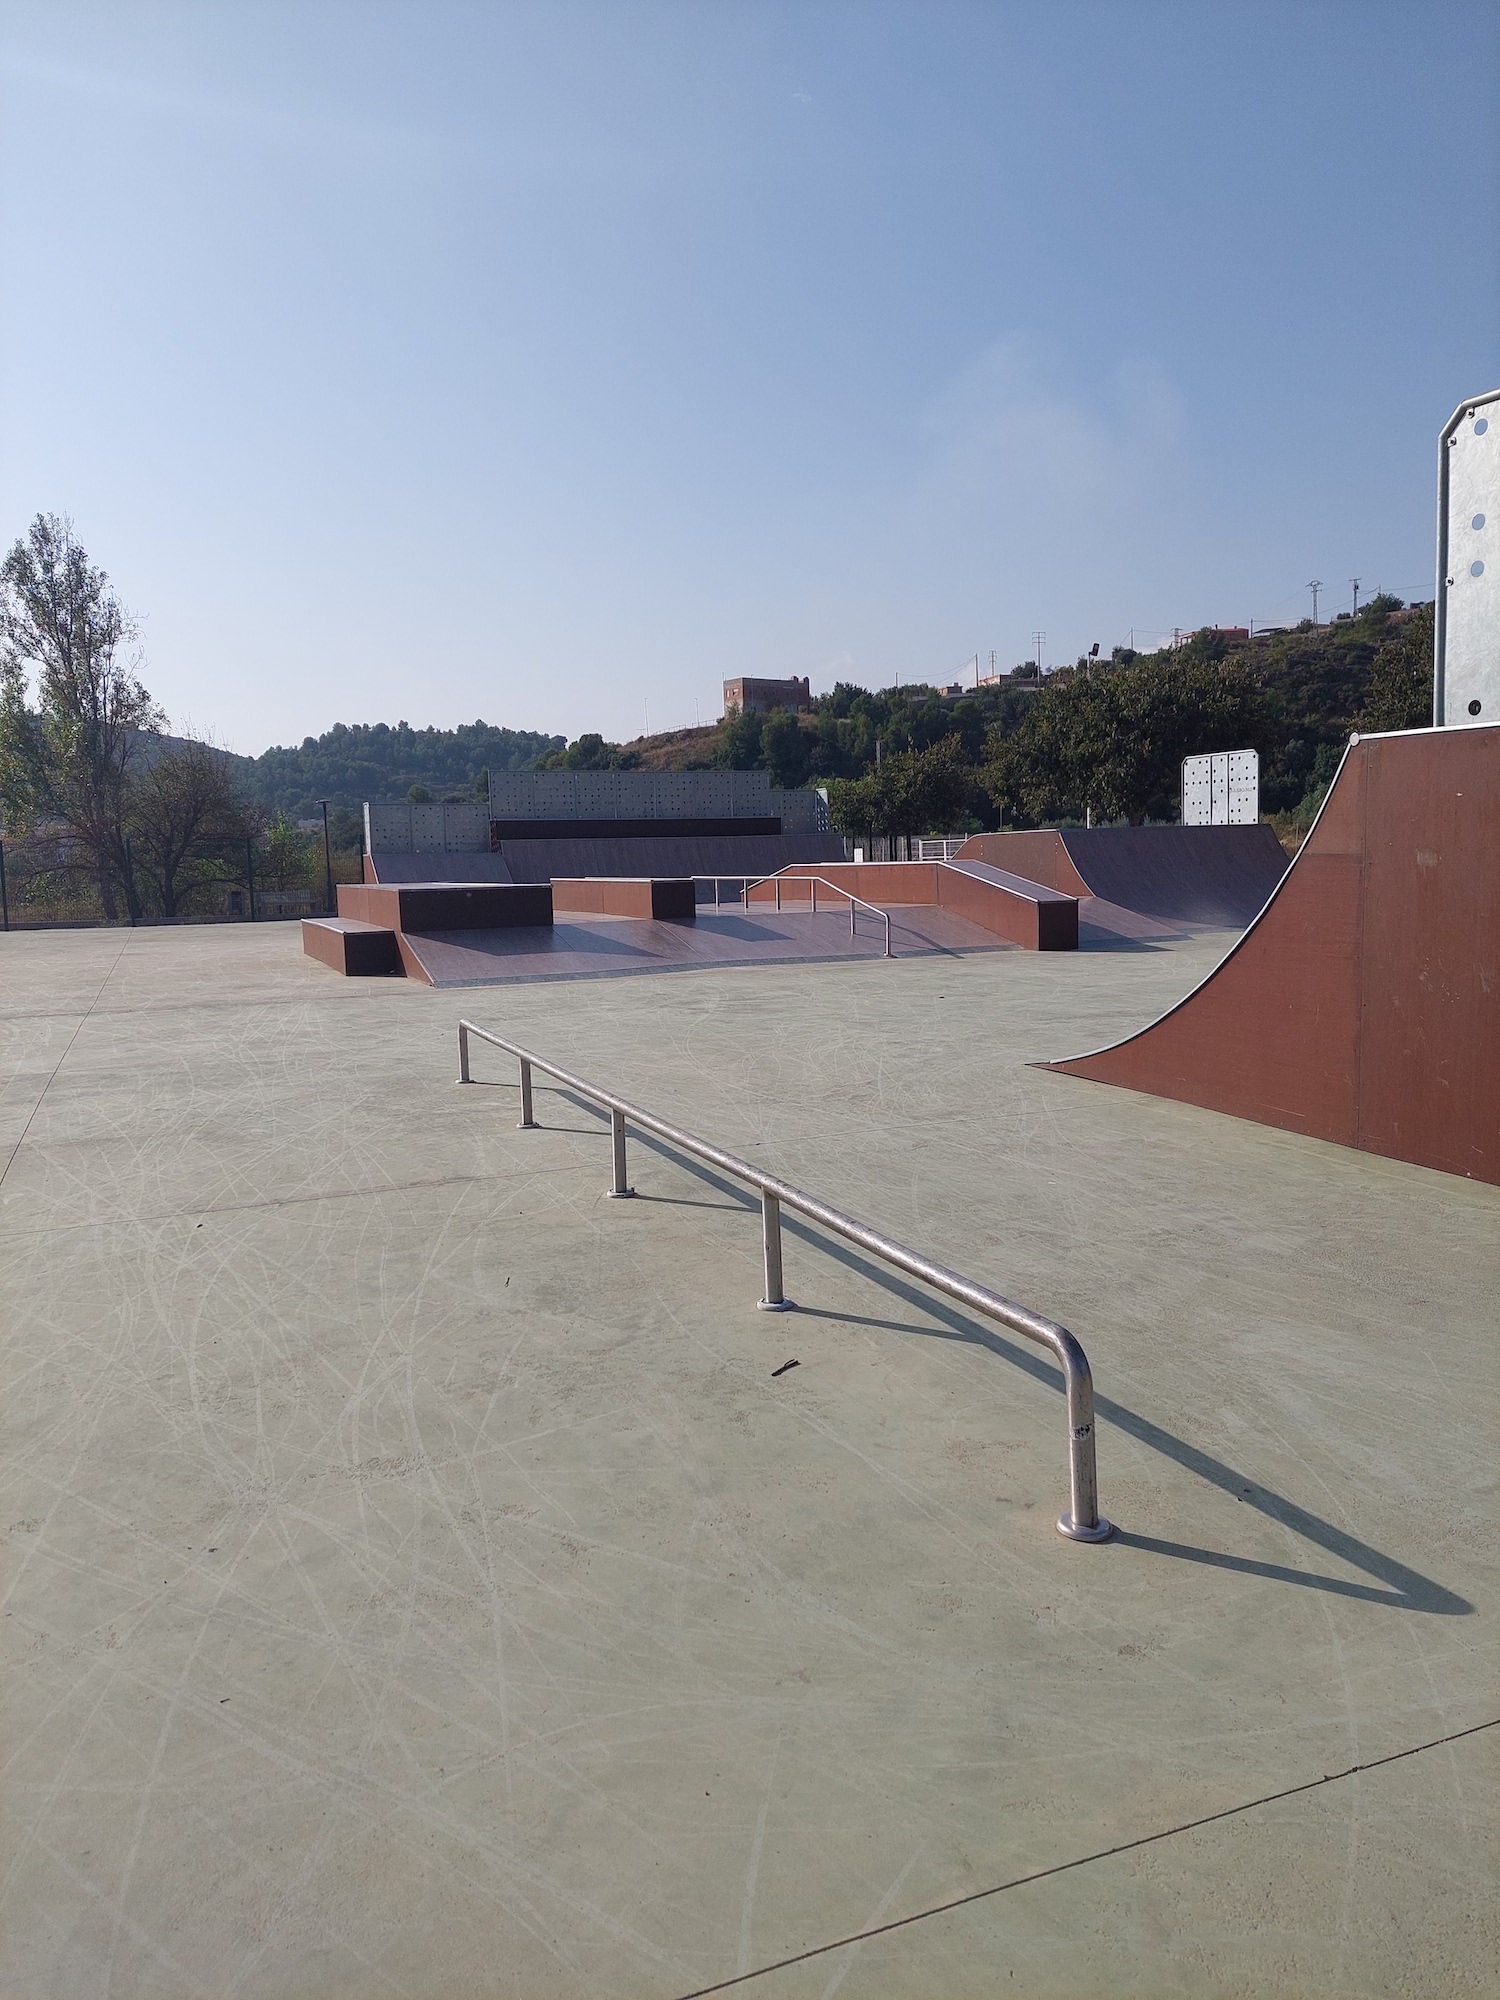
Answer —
(399, 827)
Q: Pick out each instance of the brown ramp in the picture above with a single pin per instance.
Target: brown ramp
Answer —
(1363, 1004)
(1199, 877)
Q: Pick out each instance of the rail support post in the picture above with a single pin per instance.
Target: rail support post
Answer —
(617, 1133)
(1083, 1522)
(463, 1053)
(775, 1300)
(528, 1123)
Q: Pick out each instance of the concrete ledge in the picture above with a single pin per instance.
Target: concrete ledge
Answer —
(358, 950)
(447, 906)
(667, 899)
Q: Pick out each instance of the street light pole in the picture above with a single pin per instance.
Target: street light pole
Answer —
(327, 862)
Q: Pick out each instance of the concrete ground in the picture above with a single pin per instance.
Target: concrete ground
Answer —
(418, 1583)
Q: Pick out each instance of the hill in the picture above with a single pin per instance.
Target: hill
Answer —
(354, 762)
(1299, 695)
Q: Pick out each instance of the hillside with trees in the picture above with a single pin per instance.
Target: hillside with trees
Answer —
(1105, 737)
(116, 818)
(353, 762)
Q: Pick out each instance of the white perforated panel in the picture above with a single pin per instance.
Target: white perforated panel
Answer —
(1221, 788)
(1469, 555)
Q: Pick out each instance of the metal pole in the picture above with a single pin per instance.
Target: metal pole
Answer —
(4, 896)
(528, 1123)
(463, 1053)
(621, 1187)
(815, 895)
(250, 876)
(775, 1300)
(327, 862)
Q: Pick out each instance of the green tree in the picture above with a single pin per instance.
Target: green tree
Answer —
(1400, 695)
(287, 855)
(1114, 741)
(589, 752)
(784, 748)
(912, 792)
(188, 819)
(738, 748)
(69, 761)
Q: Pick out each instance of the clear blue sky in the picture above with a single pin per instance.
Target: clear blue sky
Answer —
(540, 363)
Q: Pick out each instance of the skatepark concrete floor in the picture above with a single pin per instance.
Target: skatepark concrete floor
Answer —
(418, 1582)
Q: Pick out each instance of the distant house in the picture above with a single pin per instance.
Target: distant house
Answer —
(751, 697)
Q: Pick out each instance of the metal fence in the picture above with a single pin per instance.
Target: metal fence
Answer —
(47, 881)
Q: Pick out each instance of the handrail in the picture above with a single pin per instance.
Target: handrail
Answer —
(1083, 1521)
(750, 882)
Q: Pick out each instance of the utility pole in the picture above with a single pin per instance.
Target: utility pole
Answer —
(1315, 586)
(1039, 639)
(327, 862)
(1355, 581)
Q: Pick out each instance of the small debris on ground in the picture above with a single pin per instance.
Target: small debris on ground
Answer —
(783, 1368)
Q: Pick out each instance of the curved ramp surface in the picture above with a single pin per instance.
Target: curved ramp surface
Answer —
(1196, 877)
(1363, 1004)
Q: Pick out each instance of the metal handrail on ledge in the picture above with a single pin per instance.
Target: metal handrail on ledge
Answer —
(749, 882)
(1083, 1521)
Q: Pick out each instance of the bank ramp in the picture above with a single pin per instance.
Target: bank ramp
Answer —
(1175, 877)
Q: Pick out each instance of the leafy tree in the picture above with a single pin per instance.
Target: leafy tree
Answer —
(419, 795)
(784, 748)
(739, 741)
(69, 760)
(1400, 694)
(1114, 741)
(287, 854)
(589, 752)
(188, 819)
(912, 792)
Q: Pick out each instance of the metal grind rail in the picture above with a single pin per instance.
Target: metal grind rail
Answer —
(1083, 1521)
(749, 882)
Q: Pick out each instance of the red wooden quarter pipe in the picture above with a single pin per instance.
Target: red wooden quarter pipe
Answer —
(1363, 1003)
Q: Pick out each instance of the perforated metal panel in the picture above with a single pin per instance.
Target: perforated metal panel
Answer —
(388, 828)
(1221, 788)
(637, 795)
(1467, 682)
(466, 829)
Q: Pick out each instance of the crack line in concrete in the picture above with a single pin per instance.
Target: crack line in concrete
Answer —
(62, 1059)
(1084, 1860)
